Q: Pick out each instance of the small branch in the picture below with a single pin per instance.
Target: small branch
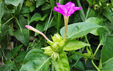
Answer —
(95, 65)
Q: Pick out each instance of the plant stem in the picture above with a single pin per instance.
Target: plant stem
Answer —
(97, 49)
(81, 11)
(8, 21)
(59, 18)
(88, 43)
(66, 24)
(52, 5)
(84, 55)
(87, 13)
(95, 65)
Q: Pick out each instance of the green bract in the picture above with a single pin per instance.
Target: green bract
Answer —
(55, 47)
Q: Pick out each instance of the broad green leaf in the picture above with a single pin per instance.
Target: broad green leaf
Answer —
(32, 8)
(8, 54)
(108, 15)
(9, 66)
(22, 21)
(40, 2)
(43, 18)
(94, 20)
(35, 17)
(91, 2)
(6, 67)
(20, 56)
(35, 60)
(4, 29)
(4, 42)
(75, 57)
(79, 66)
(103, 33)
(46, 6)
(62, 63)
(25, 10)
(15, 50)
(79, 29)
(107, 51)
(23, 36)
(13, 2)
(108, 65)
(74, 45)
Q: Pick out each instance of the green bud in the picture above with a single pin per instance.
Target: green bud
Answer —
(55, 55)
(56, 38)
(48, 51)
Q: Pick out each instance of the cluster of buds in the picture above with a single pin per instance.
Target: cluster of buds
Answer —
(56, 46)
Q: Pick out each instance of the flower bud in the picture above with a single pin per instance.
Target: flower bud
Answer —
(56, 38)
(48, 51)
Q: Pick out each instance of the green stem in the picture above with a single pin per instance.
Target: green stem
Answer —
(87, 13)
(59, 18)
(81, 11)
(8, 21)
(14, 17)
(97, 49)
(85, 56)
(95, 65)
(53, 5)
(88, 43)
(18, 23)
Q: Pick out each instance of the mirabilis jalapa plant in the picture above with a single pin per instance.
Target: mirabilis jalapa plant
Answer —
(58, 45)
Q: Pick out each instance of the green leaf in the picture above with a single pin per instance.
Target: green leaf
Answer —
(80, 66)
(74, 45)
(35, 60)
(5, 67)
(107, 51)
(15, 50)
(40, 2)
(94, 20)
(35, 17)
(22, 22)
(91, 2)
(82, 14)
(108, 65)
(62, 63)
(32, 8)
(25, 10)
(79, 29)
(43, 18)
(108, 15)
(13, 2)
(20, 56)
(75, 57)
(23, 36)
(103, 33)
(46, 6)
(9, 67)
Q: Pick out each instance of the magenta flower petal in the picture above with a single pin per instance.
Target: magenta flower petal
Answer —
(67, 9)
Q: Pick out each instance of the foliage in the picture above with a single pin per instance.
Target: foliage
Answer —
(88, 45)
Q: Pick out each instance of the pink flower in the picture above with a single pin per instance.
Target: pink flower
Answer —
(67, 9)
